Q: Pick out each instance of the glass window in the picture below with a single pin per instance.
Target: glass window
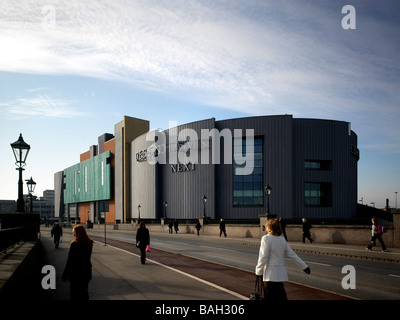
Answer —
(317, 164)
(317, 194)
(248, 190)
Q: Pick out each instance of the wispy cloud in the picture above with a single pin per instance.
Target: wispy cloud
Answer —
(262, 56)
(38, 89)
(39, 106)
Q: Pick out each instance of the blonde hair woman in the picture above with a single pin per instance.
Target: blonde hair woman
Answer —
(78, 269)
(271, 261)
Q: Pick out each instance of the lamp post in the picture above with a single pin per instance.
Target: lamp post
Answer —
(204, 198)
(396, 199)
(267, 193)
(138, 207)
(165, 204)
(21, 150)
(31, 188)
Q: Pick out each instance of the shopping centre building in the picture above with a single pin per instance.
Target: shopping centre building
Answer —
(218, 169)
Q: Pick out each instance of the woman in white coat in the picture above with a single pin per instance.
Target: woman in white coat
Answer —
(271, 261)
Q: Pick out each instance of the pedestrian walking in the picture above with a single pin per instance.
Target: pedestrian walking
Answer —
(222, 227)
(78, 269)
(283, 227)
(306, 230)
(271, 262)
(376, 232)
(176, 226)
(170, 226)
(142, 241)
(56, 234)
(198, 227)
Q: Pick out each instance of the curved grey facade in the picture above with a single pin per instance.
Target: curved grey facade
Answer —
(310, 164)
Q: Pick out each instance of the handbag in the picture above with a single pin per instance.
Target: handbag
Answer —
(148, 249)
(258, 293)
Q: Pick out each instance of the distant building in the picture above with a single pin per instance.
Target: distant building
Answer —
(45, 205)
(310, 165)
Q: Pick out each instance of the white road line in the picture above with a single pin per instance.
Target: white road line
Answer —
(394, 275)
(321, 264)
(187, 274)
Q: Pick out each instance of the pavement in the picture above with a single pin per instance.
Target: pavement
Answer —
(118, 274)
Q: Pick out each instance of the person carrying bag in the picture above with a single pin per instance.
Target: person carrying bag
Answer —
(143, 241)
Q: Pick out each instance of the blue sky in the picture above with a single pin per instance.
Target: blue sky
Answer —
(70, 70)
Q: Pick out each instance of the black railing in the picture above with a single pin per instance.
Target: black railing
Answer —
(9, 237)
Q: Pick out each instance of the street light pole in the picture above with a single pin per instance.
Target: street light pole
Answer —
(21, 150)
(31, 188)
(204, 204)
(267, 192)
(165, 204)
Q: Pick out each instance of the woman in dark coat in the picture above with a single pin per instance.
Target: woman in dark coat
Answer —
(78, 269)
(142, 241)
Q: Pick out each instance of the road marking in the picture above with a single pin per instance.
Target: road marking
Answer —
(187, 274)
(394, 275)
(321, 264)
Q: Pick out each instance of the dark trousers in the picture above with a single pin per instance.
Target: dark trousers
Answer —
(79, 290)
(274, 291)
(220, 232)
(373, 241)
(308, 236)
(143, 254)
(57, 241)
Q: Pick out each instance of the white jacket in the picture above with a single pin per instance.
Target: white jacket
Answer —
(273, 251)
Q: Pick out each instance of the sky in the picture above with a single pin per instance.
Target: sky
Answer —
(70, 70)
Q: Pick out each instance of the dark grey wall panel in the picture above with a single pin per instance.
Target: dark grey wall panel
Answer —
(277, 134)
(287, 143)
(331, 141)
(183, 190)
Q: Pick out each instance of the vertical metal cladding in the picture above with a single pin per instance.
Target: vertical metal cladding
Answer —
(184, 186)
(289, 145)
(143, 180)
(58, 194)
(310, 164)
(329, 143)
(89, 180)
(276, 132)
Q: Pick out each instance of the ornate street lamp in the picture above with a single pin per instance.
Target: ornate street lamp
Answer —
(165, 204)
(267, 193)
(21, 150)
(204, 198)
(31, 188)
(138, 207)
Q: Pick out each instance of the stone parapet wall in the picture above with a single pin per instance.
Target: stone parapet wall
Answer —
(340, 234)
